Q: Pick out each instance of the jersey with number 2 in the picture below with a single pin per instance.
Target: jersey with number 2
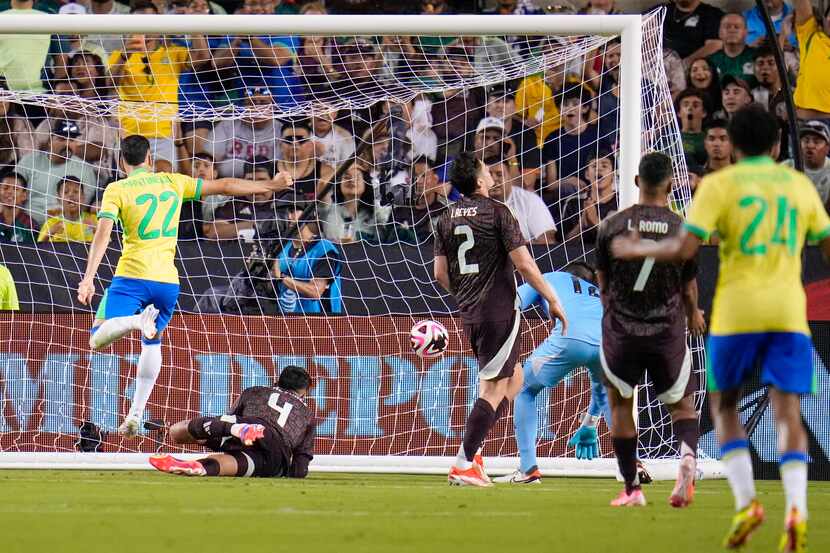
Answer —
(763, 213)
(644, 297)
(476, 235)
(148, 206)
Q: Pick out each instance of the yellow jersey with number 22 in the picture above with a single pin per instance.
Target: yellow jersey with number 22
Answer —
(762, 212)
(148, 206)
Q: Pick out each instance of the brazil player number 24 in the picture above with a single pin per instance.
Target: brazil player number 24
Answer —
(786, 215)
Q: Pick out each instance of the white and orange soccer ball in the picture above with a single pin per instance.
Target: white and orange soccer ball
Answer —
(429, 338)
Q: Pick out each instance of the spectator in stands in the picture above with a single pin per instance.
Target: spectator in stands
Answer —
(74, 223)
(349, 213)
(675, 71)
(307, 273)
(332, 143)
(718, 146)
(203, 167)
(530, 211)
(489, 139)
(691, 29)
(602, 196)
(691, 110)
(535, 100)
(89, 75)
(815, 146)
(108, 43)
(607, 85)
(17, 137)
(522, 151)
(360, 64)
(315, 68)
(735, 57)
(736, 94)
(812, 92)
(44, 170)
(454, 112)
(299, 160)
(15, 223)
(400, 58)
(146, 74)
(756, 32)
(703, 76)
(22, 57)
(8, 292)
(235, 141)
(427, 200)
(420, 134)
(767, 77)
(566, 151)
(241, 216)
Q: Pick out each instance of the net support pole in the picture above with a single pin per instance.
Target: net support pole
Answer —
(631, 74)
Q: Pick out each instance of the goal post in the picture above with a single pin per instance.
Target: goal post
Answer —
(381, 408)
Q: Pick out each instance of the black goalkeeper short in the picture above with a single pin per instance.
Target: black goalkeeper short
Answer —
(265, 458)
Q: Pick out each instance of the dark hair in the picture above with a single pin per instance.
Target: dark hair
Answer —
(654, 169)
(464, 173)
(204, 156)
(763, 51)
(69, 178)
(259, 163)
(139, 5)
(10, 172)
(601, 152)
(294, 379)
(303, 124)
(582, 269)
(134, 149)
(716, 123)
(713, 90)
(693, 93)
(495, 160)
(99, 83)
(753, 130)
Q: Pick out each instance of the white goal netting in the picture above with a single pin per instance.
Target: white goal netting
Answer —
(368, 127)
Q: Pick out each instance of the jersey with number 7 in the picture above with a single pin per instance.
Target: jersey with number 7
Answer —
(643, 297)
(148, 206)
(762, 213)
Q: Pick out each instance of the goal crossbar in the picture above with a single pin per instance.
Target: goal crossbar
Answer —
(628, 27)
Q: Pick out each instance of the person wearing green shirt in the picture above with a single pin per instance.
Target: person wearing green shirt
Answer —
(15, 224)
(735, 58)
(22, 57)
(8, 293)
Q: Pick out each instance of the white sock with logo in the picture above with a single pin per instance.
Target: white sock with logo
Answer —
(149, 367)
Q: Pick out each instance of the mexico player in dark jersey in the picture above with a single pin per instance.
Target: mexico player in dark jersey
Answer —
(477, 244)
(647, 306)
(269, 431)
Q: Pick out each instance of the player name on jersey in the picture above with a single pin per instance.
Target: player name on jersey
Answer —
(656, 227)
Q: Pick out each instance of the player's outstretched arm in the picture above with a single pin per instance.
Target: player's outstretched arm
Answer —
(240, 187)
(676, 249)
(86, 288)
(527, 267)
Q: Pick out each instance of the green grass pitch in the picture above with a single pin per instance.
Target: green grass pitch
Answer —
(122, 512)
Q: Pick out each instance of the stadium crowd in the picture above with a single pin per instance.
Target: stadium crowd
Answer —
(377, 172)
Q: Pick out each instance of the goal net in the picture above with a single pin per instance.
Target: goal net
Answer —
(368, 127)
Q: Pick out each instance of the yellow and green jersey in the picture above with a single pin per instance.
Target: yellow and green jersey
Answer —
(763, 213)
(148, 206)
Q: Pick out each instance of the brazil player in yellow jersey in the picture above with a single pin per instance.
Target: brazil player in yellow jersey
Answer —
(145, 287)
(763, 214)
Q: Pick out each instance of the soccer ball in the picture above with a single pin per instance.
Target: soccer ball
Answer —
(429, 338)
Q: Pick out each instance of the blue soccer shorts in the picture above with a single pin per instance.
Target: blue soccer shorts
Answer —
(128, 296)
(785, 360)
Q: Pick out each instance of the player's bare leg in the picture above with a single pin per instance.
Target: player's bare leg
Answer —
(687, 431)
(200, 429)
(738, 465)
(624, 437)
(792, 445)
(105, 332)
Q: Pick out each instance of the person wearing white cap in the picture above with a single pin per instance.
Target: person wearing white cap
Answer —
(815, 146)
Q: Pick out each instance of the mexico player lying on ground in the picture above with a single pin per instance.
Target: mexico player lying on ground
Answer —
(555, 359)
(145, 287)
(269, 431)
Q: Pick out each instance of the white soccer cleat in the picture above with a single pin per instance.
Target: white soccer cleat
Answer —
(129, 428)
(147, 321)
(684, 488)
(519, 477)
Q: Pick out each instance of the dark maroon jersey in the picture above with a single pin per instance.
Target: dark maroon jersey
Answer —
(286, 414)
(476, 235)
(644, 297)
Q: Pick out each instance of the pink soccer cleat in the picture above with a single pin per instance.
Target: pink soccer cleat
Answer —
(469, 477)
(635, 498)
(684, 489)
(171, 465)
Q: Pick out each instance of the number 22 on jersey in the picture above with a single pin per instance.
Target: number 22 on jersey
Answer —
(154, 200)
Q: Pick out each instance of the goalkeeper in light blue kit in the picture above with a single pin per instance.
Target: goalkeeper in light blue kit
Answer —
(557, 357)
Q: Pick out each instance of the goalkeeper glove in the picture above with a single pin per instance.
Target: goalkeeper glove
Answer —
(586, 443)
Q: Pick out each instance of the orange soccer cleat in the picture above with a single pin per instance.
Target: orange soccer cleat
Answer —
(171, 465)
(684, 489)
